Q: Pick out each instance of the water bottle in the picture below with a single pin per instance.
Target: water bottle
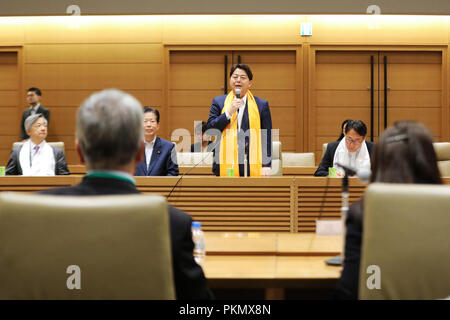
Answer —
(199, 242)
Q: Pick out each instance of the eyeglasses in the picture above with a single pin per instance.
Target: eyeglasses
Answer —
(38, 125)
(351, 141)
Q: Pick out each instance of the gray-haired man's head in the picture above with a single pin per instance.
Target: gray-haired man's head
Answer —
(32, 119)
(36, 127)
(110, 129)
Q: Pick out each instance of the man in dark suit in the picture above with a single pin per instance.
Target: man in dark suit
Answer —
(353, 146)
(237, 112)
(35, 157)
(109, 140)
(34, 100)
(160, 157)
(202, 141)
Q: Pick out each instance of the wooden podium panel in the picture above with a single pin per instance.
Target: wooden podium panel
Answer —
(229, 204)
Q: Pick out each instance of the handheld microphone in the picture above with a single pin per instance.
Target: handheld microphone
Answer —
(363, 174)
(238, 92)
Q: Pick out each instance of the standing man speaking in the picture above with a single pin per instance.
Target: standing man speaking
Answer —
(245, 125)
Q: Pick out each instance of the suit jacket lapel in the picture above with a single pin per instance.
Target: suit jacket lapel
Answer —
(27, 113)
(245, 125)
(142, 166)
(155, 155)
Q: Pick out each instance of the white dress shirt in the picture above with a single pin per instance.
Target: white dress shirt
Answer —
(35, 108)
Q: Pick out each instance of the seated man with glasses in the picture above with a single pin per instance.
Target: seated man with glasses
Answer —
(353, 150)
(36, 157)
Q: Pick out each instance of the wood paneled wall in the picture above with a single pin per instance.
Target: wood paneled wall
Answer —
(71, 57)
(9, 99)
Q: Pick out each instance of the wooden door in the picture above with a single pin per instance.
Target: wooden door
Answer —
(407, 85)
(9, 104)
(342, 89)
(414, 88)
(274, 79)
(196, 77)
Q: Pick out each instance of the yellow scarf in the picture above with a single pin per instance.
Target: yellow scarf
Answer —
(228, 144)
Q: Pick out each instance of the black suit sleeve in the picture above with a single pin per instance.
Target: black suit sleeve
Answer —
(171, 163)
(217, 119)
(60, 163)
(190, 282)
(327, 162)
(46, 114)
(12, 168)
(23, 133)
(266, 126)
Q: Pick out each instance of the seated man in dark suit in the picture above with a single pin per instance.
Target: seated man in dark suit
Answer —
(160, 157)
(353, 150)
(109, 140)
(34, 100)
(36, 157)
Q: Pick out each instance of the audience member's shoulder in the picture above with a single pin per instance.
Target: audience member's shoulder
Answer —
(17, 148)
(56, 150)
(165, 142)
(356, 211)
(333, 145)
(179, 215)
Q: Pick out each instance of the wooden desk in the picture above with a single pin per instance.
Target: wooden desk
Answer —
(272, 261)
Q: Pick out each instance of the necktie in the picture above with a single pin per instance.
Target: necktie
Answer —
(36, 149)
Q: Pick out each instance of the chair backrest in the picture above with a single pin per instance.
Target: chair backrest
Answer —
(291, 159)
(120, 243)
(58, 144)
(277, 160)
(324, 148)
(405, 242)
(443, 156)
(190, 159)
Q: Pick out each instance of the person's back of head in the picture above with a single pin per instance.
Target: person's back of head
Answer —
(405, 154)
(110, 129)
(343, 126)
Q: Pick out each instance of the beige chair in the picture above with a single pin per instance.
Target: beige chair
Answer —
(443, 156)
(291, 159)
(324, 149)
(406, 235)
(277, 159)
(190, 159)
(58, 144)
(120, 243)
